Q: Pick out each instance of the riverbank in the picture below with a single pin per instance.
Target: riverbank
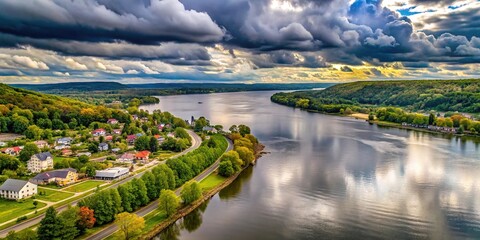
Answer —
(182, 212)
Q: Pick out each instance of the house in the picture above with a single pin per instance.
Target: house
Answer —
(117, 131)
(209, 129)
(17, 189)
(135, 117)
(102, 146)
(109, 138)
(99, 132)
(112, 121)
(142, 155)
(88, 154)
(159, 138)
(116, 150)
(3, 144)
(64, 141)
(66, 152)
(111, 173)
(131, 139)
(13, 151)
(126, 158)
(41, 144)
(160, 127)
(40, 162)
(144, 119)
(61, 177)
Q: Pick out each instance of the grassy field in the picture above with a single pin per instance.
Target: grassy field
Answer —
(84, 186)
(59, 159)
(11, 209)
(52, 195)
(164, 155)
(211, 181)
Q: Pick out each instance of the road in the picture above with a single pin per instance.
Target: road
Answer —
(112, 228)
(196, 142)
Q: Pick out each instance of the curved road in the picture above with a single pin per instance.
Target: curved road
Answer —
(112, 228)
(196, 142)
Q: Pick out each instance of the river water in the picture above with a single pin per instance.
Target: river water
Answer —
(330, 177)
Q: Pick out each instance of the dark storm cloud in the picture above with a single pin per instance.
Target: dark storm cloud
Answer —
(346, 69)
(288, 58)
(106, 20)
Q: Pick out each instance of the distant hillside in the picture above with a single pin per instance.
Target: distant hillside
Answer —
(73, 86)
(440, 95)
(20, 108)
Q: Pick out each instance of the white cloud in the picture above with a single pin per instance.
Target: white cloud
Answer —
(29, 63)
(72, 64)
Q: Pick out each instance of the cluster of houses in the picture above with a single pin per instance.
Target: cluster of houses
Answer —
(432, 127)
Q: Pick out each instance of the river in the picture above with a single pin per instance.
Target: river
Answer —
(330, 177)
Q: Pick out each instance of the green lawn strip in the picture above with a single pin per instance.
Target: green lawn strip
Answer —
(10, 209)
(59, 159)
(84, 186)
(153, 218)
(211, 181)
(52, 195)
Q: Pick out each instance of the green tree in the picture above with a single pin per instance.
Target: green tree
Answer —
(69, 219)
(33, 132)
(191, 191)
(245, 154)
(140, 192)
(153, 144)
(130, 224)
(28, 151)
(168, 202)
(142, 143)
(226, 169)
(243, 129)
(50, 226)
(20, 124)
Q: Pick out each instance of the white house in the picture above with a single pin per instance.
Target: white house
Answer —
(41, 144)
(99, 132)
(112, 121)
(17, 189)
(40, 162)
(64, 141)
(102, 147)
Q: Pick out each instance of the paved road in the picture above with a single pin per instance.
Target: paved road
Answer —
(112, 228)
(196, 142)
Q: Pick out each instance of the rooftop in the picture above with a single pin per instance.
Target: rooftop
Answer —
(13, 185)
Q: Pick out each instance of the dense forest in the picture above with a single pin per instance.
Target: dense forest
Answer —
(420, 95)
(111, 92)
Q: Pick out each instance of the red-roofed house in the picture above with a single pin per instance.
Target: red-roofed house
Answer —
(142, 155)
(131, 138)
(99, 132)
(14, 151)
(112, 121)
(109, 138)
(117, 131)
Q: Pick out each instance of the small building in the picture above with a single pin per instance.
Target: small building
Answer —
(109, 138)
(17, 189)
(13, 151)
(66, 152)
(116, 150)
(3, 144)
(135, 117)
(112, 121)
(40, 162)
(131, 139)
(41, 144)
(64, 141)
(102, 146)
(88, 154)
(117, 131)
(112, 173)
(99, 132)
(61, 177)
(142, 156)
(209, 129)
(159, 138)
(126, 158)
(171, 135)
(160, 127)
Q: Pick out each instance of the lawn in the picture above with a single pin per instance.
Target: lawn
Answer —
(164, 155)
(59, 159)
(153, 219)
(84, 186)
(52, 195)
(12, 209)
(211, 181)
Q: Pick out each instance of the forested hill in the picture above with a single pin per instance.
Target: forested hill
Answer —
(20, 108)
(440, 95)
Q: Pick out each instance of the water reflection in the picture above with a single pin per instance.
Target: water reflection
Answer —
(332, 177)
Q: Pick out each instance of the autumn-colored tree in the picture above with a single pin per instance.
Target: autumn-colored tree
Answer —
(86, 219)
(130, 224)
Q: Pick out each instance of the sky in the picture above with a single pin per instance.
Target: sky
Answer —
(232, 41)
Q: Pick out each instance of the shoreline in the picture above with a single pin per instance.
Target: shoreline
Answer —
(182, 212)
(392, 124)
